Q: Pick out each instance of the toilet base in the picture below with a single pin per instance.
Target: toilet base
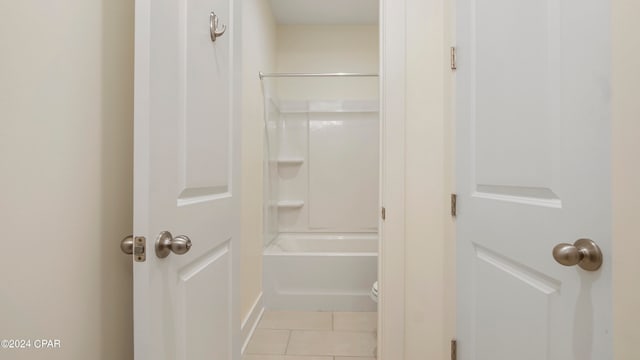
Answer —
(374, 292)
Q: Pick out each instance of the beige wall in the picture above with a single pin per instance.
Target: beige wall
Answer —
(626, 179)
(327, 48)
(258, 47)
(430, 242)
(66, 110)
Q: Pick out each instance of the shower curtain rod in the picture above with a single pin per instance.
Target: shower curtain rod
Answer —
(263, 75)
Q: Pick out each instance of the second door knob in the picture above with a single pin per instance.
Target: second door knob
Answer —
(166, 243)
(584, 253)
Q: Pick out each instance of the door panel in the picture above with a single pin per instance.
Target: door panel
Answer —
(204, 291)
(528, 305)
(186, 170)
(533, 171)
(204, 72)
(511, 116)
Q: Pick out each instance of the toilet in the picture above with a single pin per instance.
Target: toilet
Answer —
(374, 292)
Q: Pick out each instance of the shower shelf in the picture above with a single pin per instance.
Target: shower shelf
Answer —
(290, 161)
(290, 204)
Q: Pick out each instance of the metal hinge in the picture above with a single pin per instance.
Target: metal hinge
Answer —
(454, 205)
(384, 213)
(454, 349)
(140, 249)
(453, 58)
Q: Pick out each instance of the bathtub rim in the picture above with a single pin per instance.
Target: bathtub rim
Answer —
(331, 236)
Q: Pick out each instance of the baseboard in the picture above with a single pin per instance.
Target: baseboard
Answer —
(250, 323)
(318, 301)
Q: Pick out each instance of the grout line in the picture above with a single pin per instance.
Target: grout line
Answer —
(356, 331)
(286, 348)
(333, 321)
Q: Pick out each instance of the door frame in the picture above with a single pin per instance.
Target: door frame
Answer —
(392, 75)
(625, 85)
(416, 307)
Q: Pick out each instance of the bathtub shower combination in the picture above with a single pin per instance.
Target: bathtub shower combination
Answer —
(321, 191)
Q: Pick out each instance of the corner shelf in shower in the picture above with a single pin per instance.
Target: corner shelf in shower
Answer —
(290, 161)
(290, 204)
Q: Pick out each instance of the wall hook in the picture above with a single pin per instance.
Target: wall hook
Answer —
(213, 27)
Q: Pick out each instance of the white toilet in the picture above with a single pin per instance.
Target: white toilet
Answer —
(374, 296)
(374, 292)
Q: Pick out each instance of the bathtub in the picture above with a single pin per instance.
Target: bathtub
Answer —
(320, 272)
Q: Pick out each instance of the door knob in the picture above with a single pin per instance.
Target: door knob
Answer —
(584, 253)
(136, 246)
(126, 245)
(166, 243)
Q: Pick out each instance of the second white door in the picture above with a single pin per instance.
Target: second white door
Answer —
(533, 170)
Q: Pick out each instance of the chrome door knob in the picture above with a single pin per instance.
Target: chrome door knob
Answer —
(126, 245)
(584, 253)
(166, 243)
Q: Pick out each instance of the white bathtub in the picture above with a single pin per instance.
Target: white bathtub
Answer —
(320, 272)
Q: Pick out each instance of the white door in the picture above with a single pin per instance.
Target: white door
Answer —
(186, 179)
(533, 170)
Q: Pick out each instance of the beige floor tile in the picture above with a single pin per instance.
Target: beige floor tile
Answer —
(286, 357)
(353, 358)
(336, 343)
(263, 357)
(268, 342)
(296, 320)
(355, 321)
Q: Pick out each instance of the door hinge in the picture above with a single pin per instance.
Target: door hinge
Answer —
(140, 249)
(453, 58)
(454, 349)
(384, 213)
(454, 205)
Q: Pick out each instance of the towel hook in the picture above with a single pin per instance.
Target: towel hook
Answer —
(213, 27)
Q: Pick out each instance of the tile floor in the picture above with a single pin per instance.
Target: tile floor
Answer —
(297, 335)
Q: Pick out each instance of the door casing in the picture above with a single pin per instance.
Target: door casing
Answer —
(416, 180)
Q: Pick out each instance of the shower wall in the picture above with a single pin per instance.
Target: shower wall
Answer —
(322, 169)
(271, 151)
(328, 166)
(324, 131)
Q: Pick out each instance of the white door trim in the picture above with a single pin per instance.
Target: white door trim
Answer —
(391, 276)
(141, 126)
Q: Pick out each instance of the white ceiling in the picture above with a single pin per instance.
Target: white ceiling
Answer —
(328, 12)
